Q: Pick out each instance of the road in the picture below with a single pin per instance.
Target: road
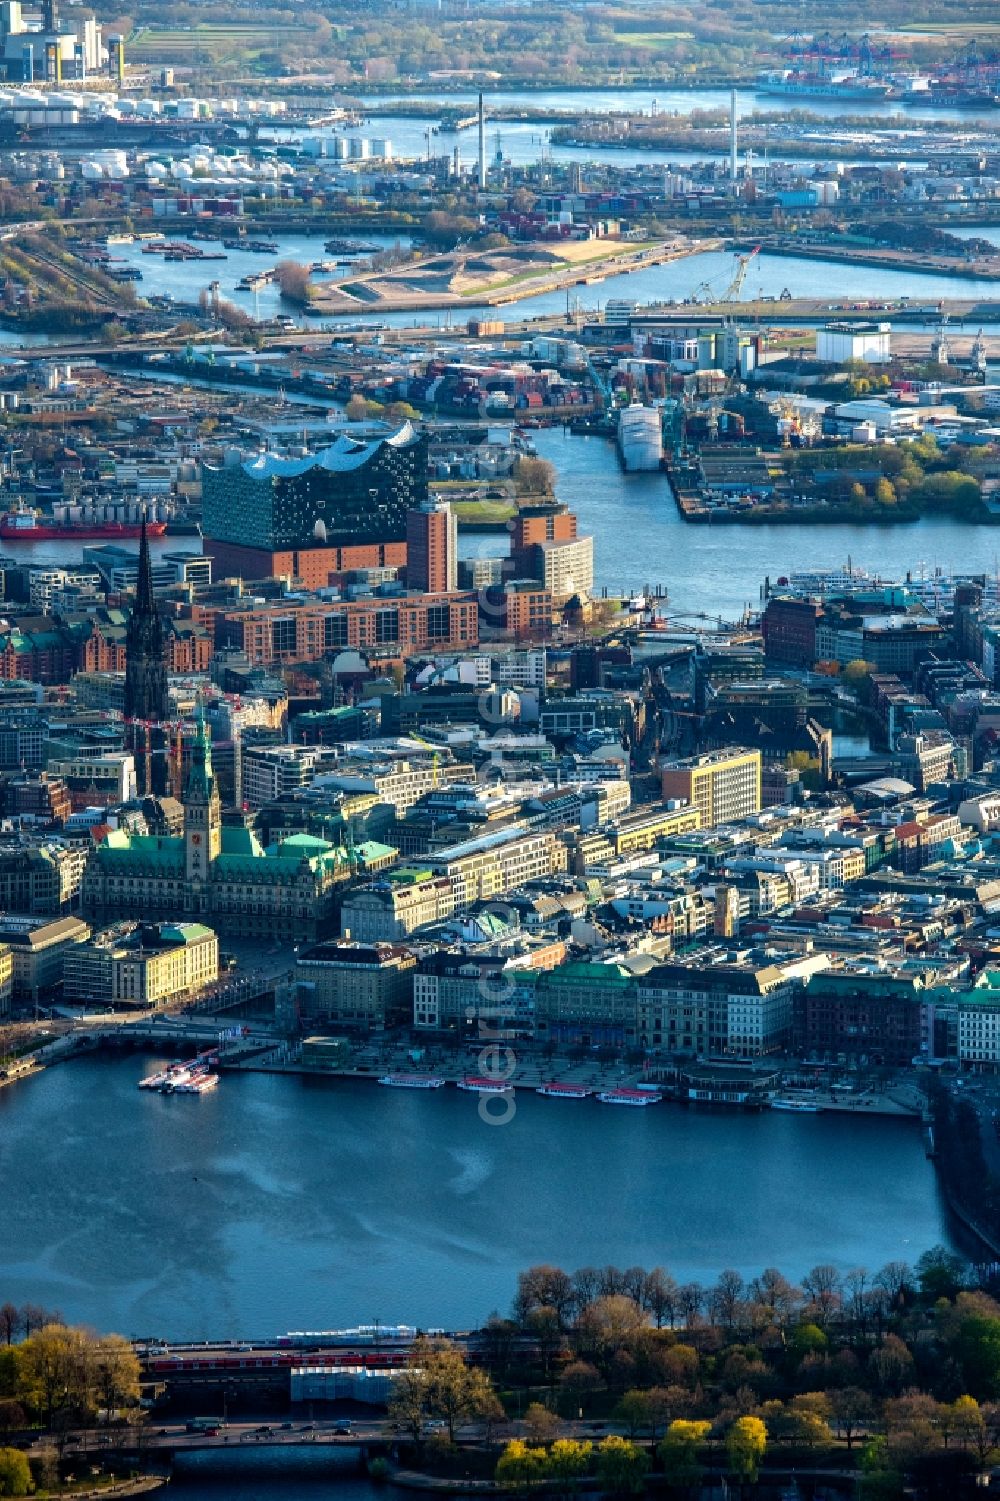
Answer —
(173, 1435)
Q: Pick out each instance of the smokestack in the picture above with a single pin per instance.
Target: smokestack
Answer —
(482, 142)
(732, 137)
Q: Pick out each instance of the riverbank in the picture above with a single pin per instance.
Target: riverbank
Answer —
(460, 278)
(913, 263)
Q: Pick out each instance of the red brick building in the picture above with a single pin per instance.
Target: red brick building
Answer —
(388, 626)
(789, 629)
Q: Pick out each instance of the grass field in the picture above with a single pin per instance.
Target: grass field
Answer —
(166, 43)
(952, 28)
(654, 40)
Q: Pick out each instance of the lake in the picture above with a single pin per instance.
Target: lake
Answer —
(280, 1203)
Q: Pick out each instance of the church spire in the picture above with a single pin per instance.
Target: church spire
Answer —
(144, 602)
(146, 700)
(201, 779)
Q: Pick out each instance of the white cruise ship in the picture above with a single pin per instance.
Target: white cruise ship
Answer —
(640, 439)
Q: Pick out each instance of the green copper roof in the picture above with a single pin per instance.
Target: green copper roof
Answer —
(185, 932)
(242, 842)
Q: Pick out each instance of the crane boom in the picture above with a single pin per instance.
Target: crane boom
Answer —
(735, 287)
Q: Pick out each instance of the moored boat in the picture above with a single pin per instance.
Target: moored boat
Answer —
(564, 1091)
(485, 1086)
(800, 1107)
(628, 1097)
(411, 1081)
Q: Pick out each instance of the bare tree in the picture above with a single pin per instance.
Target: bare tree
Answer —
(726, 1299)
(659, 1296)
(10, 1323)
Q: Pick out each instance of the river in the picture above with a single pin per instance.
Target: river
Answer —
(768, 277)
(280, 1203)
(640, 538)
(667, 101)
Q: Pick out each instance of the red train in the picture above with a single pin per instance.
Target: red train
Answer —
(191, 1364)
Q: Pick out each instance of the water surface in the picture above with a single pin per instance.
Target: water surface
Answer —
(282, 1203)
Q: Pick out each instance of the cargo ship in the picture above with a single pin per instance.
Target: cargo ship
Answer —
(32, 526)
(817, 86)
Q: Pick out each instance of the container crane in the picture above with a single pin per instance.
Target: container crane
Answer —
(601, 382)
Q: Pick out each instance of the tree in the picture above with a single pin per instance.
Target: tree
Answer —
(493, 1415)
(12, 1415)
(609, 1324)
(58, 1371)
(659, 1296)
(408, 1403)
(678, 1366)
(894, 1279)
(541, 1425)
(535, 476)
(115, 1373)
(293, 279)
(726, 1298)
(885, 494)
(913, 1427)
(809, 1415)
(977, 1350)
(941, 1273)
(356, 409)
(948, 490)
(621, 1465)
(568, 1461)
(10, 1323)
(15, 1473)
(879, 1479)
(519, 1466)
(746, 1445)
(543, 1323)
(852, 1410)
(455, 1391)
(822, 1286)
(580, 1380)
(891, 1364)
(771, 1289)
(968, 1423)
(679, 1452)
(634, 1412)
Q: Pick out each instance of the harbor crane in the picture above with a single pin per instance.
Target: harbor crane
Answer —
(706, 292)
(735, 287)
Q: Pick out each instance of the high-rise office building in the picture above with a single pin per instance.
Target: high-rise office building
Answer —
(723, 784)
(432, 548)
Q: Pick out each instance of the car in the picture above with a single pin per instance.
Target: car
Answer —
(286, 1427)
(342, 1428)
